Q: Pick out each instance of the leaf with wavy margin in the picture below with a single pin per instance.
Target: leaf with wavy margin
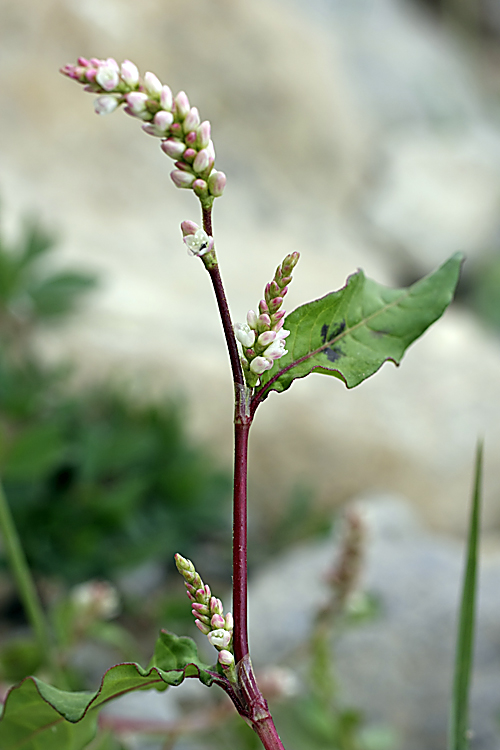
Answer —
(37, 716)
(350, 333)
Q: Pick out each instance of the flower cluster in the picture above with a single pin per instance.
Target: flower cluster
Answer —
(208, 612)
(184, 137)
(262, 338)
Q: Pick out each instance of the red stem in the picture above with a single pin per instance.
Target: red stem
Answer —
(240, 642)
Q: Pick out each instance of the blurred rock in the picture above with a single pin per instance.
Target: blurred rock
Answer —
(398, 667)
(352, 132)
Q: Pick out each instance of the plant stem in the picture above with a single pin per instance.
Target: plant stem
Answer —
(268, 734)
(25, 584)
(241, 431)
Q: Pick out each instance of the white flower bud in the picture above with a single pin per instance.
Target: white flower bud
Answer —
(129, 73)
(162, 121)
(192, 120)
(182, 104)
(166, 98)
(152, 84)
(136, 101)
(266, 338)
(105, 104)
(173, 148)
(182, 179)
(252, 319)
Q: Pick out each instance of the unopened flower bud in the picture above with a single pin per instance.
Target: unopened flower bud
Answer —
(129, 73)
(182, 104)
(166, 98)
(152, 84)
(189, 227)
(105, 104)
(201, 608)
(204, 134)
(136, 101)
(191, 138)
(202, 160)
(173, 148)
(252, 319)
(205, 629)
(217, 621)
(182, 179)
(219, 638)
(217, 183)
(266, 338)
(260, 365)
(107, 75)
(263, 308)
(162, 120)
(200, 188)
(229, 621)
(226, 659)
(192, 120)
(263, 323)
(216, 606)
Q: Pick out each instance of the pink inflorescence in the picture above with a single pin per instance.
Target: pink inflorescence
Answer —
(262, 337)
(183, 136)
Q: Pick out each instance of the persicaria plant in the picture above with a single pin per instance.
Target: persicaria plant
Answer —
(347, 334)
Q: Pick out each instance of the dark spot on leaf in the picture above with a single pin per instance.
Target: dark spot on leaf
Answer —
(330, 335)
(378, 334)
(334, 353)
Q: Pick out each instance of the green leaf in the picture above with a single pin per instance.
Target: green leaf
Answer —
(350, 333)
(458, 739)
(38, 716)
(58, 294)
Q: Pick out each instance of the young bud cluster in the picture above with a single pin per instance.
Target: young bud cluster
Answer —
(262, 338)
(208, 613)
(184, 138)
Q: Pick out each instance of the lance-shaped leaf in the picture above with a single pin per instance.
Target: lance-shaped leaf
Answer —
(350, 333)
(37, 716)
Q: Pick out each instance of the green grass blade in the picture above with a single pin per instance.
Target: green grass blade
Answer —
(458, 730)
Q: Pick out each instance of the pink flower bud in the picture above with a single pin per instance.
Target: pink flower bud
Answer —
(107, 75)
(263, 308)
(189, 155)
(182, 179)
(83, 61)
(183, 166)
(136, 101)
(189, 227)
(217, 622)
(202, 161)
(202, 618)
(216, 606)
(204, 134)
(226, 659)
(166, 98)
(217, 183)
(176, 129)
(129, 73)
(192, 120)
(205, 629)
(162, 120)
(263, 323)
(182, 105)
(229, 622)
(201, 608)
(152, 84)
(150, 130)
(106, 104)
(260, 365)
(200, 188)
(191, 138)
(266, 338)
(90, 74)
(173, 148)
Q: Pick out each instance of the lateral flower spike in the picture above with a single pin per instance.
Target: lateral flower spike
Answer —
(184, 138)
(261, 340)
(208, 613)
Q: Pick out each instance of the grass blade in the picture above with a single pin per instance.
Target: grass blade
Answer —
(458, 730)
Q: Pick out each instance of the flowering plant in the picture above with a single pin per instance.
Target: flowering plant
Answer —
(347, 334)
